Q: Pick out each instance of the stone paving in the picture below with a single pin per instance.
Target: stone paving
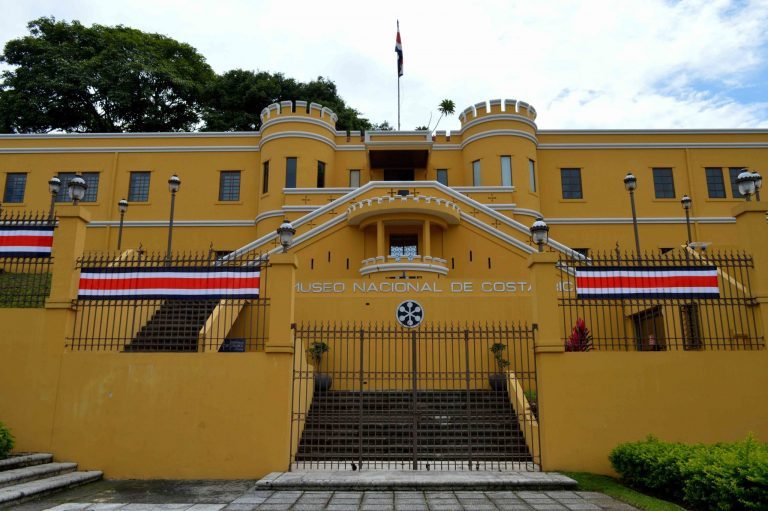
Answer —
(243, 496)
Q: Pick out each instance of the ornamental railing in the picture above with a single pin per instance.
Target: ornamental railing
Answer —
(137, 302)
(680, 300)
(26, 241)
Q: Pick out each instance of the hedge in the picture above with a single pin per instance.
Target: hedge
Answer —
(6, 441)
(719, 477)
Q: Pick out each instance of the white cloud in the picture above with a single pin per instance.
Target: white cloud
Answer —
(582, 64)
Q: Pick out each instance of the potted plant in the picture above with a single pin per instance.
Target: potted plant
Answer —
(498, 380)
(580, 338)
(316, 351)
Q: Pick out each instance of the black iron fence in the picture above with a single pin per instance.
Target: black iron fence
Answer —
(25, 258)
(137, 302)
(437, 397)
(680, 300)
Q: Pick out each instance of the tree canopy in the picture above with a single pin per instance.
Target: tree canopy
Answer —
(100, 79)
(73, 78)
(234, 100)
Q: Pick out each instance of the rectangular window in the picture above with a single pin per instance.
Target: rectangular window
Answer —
(663, 183)
(715, 183)
(403, 245)
(229, 185)
(354, 178)
(476, 173)
(506, 171)
(733, 174)
(442, 176)
(92, 180)
(571, 183)
(532, 175)
(321, 174)
(15, 185)
(138, 187)
(290, 172)
(265, 177)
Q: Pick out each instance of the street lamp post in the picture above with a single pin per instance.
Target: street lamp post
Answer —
(747, 184)
(122, 206)
(174, 183)
(686, 202)
(76, 188)
(630, 183)
(286, 232)
(54, 185)
(758, 179)
(540, 233)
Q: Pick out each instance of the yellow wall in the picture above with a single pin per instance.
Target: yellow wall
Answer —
(591, 402)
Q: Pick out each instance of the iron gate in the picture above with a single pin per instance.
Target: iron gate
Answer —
(436, 397)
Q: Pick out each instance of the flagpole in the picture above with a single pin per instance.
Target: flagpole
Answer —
(398, 103)
(399, 51)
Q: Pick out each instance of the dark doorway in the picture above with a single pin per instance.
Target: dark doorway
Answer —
(398, 174)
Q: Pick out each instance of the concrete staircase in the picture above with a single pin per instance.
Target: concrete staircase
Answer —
(476, 426)
(175, 326)
(28, 476)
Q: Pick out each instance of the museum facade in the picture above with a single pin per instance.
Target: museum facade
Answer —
(396, 263)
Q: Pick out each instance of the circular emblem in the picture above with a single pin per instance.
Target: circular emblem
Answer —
(410, 314)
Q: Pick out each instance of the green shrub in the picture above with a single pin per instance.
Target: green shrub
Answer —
(6, 441)
(720, 477)
(728, 476)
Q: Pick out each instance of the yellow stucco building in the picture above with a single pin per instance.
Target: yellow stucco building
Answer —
(391, 228)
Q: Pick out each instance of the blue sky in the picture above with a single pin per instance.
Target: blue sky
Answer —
(582, 63)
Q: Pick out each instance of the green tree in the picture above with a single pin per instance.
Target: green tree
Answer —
(446, 107)
(234, 100)
(69, 77)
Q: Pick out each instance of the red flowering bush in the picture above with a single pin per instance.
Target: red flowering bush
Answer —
(580, 338)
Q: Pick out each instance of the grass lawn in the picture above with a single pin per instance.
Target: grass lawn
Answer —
(613, 488)
(24, 289)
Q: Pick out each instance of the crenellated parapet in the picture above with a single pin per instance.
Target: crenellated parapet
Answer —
(496, 107)
(298, 109)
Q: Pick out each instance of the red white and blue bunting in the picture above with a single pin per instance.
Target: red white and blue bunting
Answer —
(647, 282)
(169, 282)
(26, 241)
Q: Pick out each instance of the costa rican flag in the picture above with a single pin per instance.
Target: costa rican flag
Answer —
(647, 282)
(26, 240)
(187, 283)
(399, 51)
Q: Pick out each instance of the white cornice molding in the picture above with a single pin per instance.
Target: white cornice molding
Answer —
(498, 117)
(298, 118)
(141, 149)
(296, 134)
(176, 223)
(120, 136)
(498, 133)
(647, 220)
(657, 132)
(657, 145)
(484, 189)
(316, 191)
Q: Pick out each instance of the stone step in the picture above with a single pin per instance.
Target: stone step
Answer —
(35, 472)
(417, 480)
(25, 491)
(25, 460)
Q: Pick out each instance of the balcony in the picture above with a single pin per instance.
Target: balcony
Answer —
(414, 206)
(405, 263)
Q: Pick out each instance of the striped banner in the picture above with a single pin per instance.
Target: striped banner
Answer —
(168, 282)
(647, 282)
(26, 240)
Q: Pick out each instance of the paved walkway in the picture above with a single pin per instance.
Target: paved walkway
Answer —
(244, 496)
